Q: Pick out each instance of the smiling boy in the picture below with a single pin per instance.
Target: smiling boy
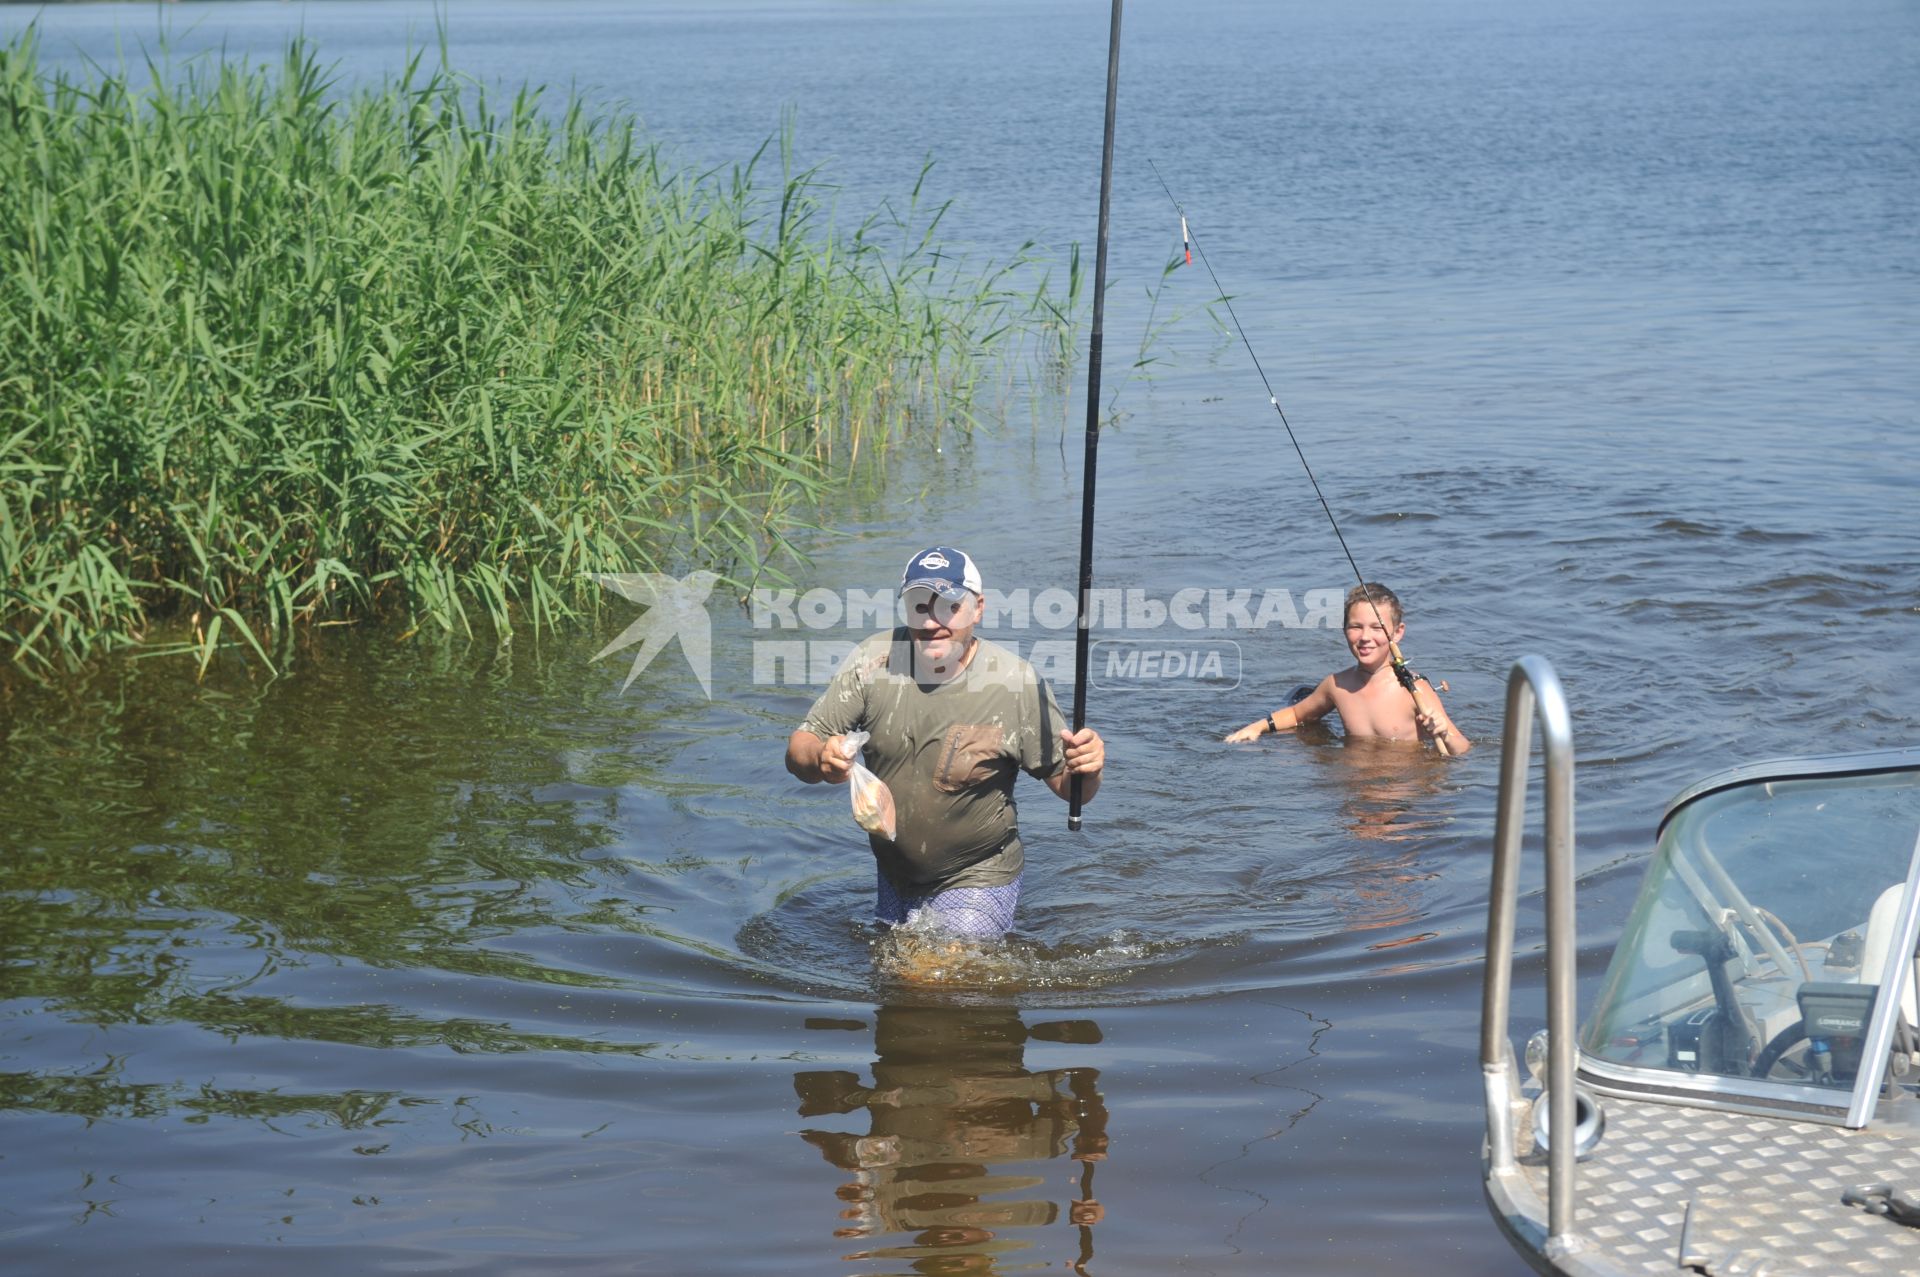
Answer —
(1369, 697)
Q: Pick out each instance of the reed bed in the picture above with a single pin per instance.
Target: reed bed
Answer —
(273, 356)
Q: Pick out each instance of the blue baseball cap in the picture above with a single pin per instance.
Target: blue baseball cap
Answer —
(948, 572)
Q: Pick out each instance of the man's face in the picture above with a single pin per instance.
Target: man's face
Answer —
(1368, 636)
(941, 627)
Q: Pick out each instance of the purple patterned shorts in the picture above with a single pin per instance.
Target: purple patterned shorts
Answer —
(960, 911)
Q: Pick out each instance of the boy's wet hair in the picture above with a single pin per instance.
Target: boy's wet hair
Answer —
(1386, 600)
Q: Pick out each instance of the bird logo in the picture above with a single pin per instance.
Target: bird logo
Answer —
(675, 609)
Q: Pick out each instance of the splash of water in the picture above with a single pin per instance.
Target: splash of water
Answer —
(817, 941)
(920, 953)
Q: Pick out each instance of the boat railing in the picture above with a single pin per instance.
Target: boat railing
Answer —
(1533, 685)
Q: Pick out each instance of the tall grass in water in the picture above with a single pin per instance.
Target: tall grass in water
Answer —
(271, 357)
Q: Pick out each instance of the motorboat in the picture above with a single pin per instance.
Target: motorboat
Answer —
(1743, 1096)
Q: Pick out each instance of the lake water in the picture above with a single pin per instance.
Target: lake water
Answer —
(1600, 325)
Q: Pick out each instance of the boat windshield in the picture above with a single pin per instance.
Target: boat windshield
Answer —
(1757, 946)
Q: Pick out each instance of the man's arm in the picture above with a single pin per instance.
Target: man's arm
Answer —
(814, 760)
(1086, 758)
(1312, 707)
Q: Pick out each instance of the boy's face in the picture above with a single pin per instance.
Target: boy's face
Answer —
(1367, 637)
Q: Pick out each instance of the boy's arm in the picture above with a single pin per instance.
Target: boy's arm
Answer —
(1312, 707)
(1438, 726)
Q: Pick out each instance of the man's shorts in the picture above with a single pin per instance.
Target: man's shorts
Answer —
(983, 912)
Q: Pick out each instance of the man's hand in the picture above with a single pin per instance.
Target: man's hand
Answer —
(1252, 731)
(814, 760)
(1086, 752)
(1086, 757)
(836, 760)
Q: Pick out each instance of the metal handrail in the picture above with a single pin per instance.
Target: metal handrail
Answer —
(1533, 682)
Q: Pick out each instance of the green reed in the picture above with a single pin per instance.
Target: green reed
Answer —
(272, 356)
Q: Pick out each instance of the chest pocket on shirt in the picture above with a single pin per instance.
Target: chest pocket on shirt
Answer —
(967, 756)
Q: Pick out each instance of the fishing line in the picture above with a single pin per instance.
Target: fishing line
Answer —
(1192, 245)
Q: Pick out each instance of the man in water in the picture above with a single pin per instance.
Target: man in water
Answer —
(952, 717)
(1369, 697)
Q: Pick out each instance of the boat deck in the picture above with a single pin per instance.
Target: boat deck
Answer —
(1762, 1191)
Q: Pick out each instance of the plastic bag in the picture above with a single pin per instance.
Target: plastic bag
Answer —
(872, 800)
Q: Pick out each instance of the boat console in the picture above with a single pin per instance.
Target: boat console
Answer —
(1754, 963)
(1744, 1096)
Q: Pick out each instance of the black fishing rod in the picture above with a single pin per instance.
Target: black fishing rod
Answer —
(1083, 633)
(1408, 678)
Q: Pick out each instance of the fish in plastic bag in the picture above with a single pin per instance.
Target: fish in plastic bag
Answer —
(872, 800)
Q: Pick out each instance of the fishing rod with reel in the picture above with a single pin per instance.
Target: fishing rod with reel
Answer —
(1425, 703)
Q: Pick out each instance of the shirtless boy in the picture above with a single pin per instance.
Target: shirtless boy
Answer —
(1369, 696)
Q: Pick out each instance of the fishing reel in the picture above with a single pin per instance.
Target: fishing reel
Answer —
(1409, 676)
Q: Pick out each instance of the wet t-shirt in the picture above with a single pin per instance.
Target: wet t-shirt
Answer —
(949, 752)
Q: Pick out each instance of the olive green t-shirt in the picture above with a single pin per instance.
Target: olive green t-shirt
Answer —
(949, 752)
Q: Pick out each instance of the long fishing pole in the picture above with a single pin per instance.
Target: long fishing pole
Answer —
(1408, 678)
(1083, 633)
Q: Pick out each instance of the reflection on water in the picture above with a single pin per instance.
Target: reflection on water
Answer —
(1388, 785)
(952, 1114)
(1395, 797)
